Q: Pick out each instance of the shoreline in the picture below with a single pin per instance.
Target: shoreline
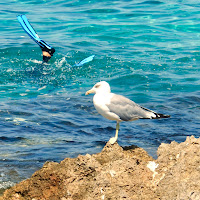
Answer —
(117, 173)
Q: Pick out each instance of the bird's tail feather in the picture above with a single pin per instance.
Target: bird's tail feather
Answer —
(158, 115)
(154, 114)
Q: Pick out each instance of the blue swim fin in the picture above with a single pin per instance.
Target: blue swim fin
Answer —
(33, 35)
(86, 60)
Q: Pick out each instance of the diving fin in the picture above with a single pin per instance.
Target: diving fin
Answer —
(33, 35)
(86, 60)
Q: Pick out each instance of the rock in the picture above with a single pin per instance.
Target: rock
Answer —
(118, 173)
(179, 169)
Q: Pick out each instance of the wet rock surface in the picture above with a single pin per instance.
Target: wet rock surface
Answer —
(118, 173)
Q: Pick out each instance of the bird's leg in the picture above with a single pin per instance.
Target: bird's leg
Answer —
(114, 139)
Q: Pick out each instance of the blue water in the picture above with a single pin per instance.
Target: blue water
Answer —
(148, 51)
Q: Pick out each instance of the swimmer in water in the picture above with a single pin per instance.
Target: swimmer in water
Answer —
(47, 50)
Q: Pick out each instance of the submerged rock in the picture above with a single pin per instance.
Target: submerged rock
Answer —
(118, 173)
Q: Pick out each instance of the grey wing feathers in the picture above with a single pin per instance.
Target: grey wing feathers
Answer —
(128, 110)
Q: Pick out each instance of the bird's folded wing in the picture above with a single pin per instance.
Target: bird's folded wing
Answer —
(128, 110)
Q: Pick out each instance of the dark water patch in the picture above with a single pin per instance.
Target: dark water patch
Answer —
(90, 29)
(85, 44)
(74, 142)
(130, 80)
(102, 11)
(185, 102)
(82, 107)
(104, 130)
(19, 113)
(184, 59)
(85, 133)
(152, 2)
(101, 143)
(67, 141)
(11, 139)
(194, 99)
(110, 38)
(132, 15)
(68, 123)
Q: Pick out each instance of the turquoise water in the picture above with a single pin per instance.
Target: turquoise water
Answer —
(148, 51)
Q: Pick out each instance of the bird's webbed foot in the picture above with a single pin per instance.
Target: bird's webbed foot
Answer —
(113, 140)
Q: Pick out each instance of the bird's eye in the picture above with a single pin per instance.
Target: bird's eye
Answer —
(97, 86)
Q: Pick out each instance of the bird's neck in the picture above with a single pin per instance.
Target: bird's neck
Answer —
(102, 97)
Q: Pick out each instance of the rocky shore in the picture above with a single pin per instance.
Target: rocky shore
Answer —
(118, 173)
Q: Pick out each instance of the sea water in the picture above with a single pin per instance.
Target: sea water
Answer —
(148, 51)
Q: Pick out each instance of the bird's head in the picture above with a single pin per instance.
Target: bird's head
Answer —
(100, 87)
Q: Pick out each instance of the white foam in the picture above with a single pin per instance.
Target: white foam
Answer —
(23, 94)
(5, 185)
(42, 88)
(17, 119)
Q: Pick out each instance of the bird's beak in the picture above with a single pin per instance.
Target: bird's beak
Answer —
(89, 92)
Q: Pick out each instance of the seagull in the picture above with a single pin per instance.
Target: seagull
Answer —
(118, 108)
